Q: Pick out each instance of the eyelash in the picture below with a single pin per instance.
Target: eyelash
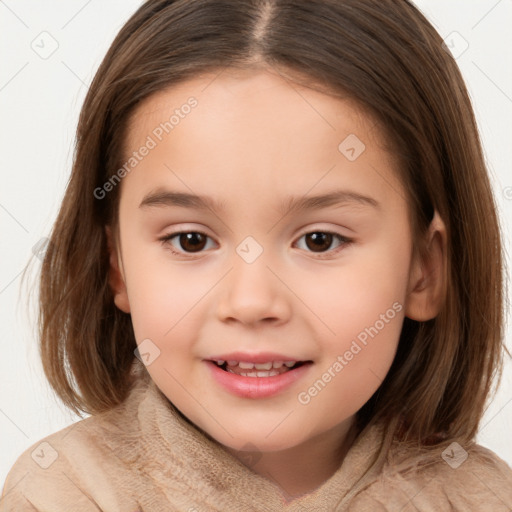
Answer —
(344, 241)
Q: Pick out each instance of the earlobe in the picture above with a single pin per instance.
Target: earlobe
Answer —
(428, 275)
(115, 275)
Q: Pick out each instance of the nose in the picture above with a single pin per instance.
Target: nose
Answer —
(252, 293)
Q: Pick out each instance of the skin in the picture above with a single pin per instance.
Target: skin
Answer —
(253, 140)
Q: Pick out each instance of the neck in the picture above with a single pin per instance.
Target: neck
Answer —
(303, 468)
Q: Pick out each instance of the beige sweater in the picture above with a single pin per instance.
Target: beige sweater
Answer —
(145, 456)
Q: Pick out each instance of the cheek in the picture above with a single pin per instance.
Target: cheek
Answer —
(361, 313)
(159, 293)
(353, 367)
(353, 296)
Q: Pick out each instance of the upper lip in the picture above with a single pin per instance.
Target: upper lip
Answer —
(261, 357)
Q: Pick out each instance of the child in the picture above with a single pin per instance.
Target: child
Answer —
(231, 359)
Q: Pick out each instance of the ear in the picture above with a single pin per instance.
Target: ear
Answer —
(116, 279)
(427, 278)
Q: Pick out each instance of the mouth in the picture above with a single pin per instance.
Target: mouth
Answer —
(265, 369)
(267, 375)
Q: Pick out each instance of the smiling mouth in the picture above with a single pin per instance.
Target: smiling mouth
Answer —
(269, 369)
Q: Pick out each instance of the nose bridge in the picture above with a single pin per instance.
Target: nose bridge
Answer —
(252, 292)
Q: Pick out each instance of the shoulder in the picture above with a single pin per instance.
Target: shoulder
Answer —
(451, 478)
(75, 468)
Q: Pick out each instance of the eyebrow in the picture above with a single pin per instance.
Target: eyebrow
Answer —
(167, 198)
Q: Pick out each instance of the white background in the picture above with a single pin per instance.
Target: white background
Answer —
(40, 101)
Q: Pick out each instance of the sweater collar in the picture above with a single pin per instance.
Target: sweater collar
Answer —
(182, 458)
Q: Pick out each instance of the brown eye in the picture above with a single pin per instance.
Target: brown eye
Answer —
(188, 242)
(321, 242)
(318, 241)
(192, 242)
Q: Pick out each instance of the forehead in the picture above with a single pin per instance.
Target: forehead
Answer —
(255, 129)
(250, 94)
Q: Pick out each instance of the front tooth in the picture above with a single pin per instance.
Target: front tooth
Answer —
(246, 366)
(277, 364)
(289, 364)
(263, 366)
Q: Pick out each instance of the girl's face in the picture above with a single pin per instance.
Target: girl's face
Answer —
(295, 246)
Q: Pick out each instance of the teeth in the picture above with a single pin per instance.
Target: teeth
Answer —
(246, 369)
(271, 373)
(263, 366)
(259, 366)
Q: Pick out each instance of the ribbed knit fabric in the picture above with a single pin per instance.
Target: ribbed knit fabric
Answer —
(145, 456)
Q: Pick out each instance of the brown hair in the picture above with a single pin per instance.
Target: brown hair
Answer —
(384, 55)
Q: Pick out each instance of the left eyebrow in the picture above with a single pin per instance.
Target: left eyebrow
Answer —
(335, 198)
(162, 198)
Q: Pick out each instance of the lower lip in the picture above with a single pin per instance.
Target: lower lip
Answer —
(256, 387)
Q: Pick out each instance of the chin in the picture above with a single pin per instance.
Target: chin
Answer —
(257, 440)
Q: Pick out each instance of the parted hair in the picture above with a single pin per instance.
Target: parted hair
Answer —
(382, 54)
